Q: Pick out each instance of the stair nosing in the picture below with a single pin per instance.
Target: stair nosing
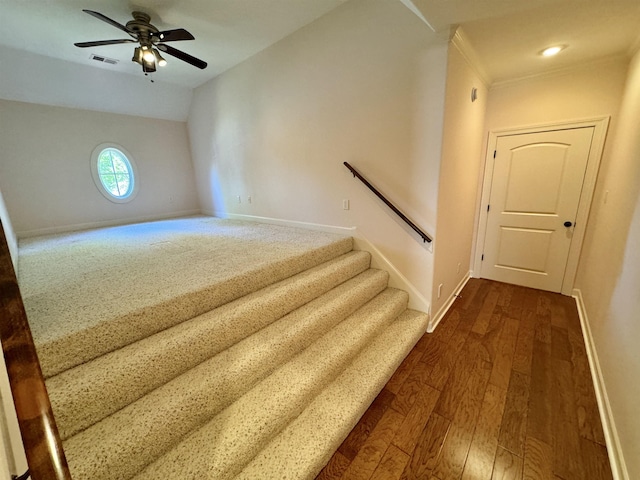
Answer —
(86, 388)
(59, 354)
(401, 296)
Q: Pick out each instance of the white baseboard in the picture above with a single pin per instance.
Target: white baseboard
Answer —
(616, 458)
(435, 320)
(107, 223)
(417, 301)
(285, 223)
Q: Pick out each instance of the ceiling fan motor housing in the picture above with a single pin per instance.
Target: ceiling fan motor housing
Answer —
(142, 30)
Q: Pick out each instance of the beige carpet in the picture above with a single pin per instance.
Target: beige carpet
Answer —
(105, 288)
(209, 348)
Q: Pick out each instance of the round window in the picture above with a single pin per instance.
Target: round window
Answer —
(114, 172)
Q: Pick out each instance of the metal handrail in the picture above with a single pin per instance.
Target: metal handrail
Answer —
(42, 443)
(425, 237)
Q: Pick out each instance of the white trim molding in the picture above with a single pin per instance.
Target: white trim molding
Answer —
(616, 458)
(460, 41)
(107, 223)
(556, 72)
(11, 447)
(435, 320)
(417, 301)
(285, 223)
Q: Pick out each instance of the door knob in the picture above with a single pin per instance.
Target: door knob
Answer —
(567, 224)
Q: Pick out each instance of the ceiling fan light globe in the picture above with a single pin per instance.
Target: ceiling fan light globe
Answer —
(149, 67)
(148, 56)
(160, 61)
(137, 55)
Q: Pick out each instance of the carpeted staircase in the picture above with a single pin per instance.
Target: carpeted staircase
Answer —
(264, 383)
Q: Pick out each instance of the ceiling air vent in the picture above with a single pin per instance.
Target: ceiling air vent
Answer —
(99, 58)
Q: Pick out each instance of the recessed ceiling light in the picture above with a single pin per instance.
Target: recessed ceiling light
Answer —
(551, 51)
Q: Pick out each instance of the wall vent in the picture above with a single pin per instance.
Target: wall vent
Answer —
(100, 58)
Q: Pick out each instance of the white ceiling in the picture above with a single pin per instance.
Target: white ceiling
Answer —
(509, 43)
(226, 31)
(506, 34)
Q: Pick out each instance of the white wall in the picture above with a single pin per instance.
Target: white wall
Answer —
(609, 272)
(459, 172)
(12, 455)
(45, 174)
(9, 233)
(586, 91)
(363, 84)
(28, 77)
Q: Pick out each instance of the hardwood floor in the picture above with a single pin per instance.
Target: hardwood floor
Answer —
(501, 390)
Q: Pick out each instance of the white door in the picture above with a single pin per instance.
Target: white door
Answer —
(535, 192)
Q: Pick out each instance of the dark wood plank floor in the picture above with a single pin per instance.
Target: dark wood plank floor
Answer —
(501, 390)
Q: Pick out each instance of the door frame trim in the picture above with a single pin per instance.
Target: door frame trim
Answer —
(600, 126)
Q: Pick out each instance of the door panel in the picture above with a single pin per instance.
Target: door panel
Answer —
(536, 187)
(524, 249)
(539, 167)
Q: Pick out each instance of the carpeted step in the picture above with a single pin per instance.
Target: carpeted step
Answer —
(90, 392)
(302, 449)
(82, 319)
(230, 440)
(141, 432)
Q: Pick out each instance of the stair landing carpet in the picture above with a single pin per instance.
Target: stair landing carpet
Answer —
(201, 347)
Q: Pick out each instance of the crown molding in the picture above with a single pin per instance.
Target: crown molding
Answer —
(461, 42)
(561, 71)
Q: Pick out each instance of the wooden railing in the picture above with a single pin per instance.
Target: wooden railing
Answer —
(418, 230)
(42, 443)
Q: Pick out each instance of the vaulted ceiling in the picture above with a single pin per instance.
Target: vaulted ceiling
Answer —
(506, 34)
(226, 31)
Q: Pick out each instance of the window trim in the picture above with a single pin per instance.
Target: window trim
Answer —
(96, 176)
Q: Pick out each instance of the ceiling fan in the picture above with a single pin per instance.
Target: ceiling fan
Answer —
(150, 39)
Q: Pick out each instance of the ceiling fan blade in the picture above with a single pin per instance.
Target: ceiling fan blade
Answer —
(173, 35)
(100, 16)
(100, 43)
(185, 57)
